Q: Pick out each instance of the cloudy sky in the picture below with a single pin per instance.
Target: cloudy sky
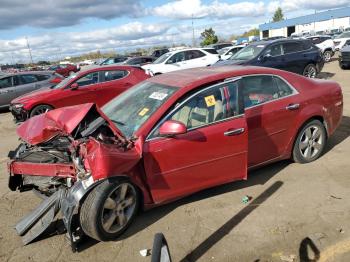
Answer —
(60, 28)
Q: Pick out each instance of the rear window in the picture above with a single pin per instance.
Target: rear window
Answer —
(211, 51)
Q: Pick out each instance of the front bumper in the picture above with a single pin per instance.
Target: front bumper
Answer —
(19, 113)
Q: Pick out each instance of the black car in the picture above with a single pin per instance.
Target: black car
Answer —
(295, 55)
(159, 52)
(344, 57)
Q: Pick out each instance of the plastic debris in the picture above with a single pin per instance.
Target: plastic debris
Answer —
(246, 199)
(290, 258)
(145, 252)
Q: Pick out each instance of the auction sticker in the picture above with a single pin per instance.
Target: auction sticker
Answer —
(210, 100)
(158, 95)
(143, 111)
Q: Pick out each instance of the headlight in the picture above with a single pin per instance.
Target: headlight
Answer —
(17, 106)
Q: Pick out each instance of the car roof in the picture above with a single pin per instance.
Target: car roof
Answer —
(280, 40)
(194, 77)
(107, 67)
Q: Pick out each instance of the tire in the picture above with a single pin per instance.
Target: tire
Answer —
(327, 55)
(104, 206)
(310, 142)
(160, 249)
(310, 71)
(40, 109)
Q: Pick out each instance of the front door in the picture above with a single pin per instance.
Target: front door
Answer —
(212, 152)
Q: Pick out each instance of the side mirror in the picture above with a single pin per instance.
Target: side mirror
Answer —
(74, 86)
(172, 128)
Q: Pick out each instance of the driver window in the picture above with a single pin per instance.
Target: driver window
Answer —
(88, 79)
(178, 57)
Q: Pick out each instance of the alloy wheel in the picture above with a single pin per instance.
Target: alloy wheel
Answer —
(311, 142)
(118, 208)
(310, 72)
(327, 56)
(41, 110)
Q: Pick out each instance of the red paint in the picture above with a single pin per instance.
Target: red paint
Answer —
(172, 127)
(65, 70)
(167, 168)
(99, 93)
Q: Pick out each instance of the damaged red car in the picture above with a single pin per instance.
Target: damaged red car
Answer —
(165, 138)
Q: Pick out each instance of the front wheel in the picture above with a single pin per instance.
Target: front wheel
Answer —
(327, 55)
(40, 109)
(310, 142)
(109, 209)
(310, 71)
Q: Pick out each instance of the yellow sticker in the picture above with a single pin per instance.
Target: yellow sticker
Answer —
(143, 111)
(210, 100)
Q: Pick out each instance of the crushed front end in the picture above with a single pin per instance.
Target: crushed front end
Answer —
(61, 158)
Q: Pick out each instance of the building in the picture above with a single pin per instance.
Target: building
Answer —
(329, 21)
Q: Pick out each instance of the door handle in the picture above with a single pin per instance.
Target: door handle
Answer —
(292, 106)
(234, 132)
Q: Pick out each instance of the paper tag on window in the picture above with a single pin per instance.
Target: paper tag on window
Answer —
(210, 100)
(158, 95)
(143, 111)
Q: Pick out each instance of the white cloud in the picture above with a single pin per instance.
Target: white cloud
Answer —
(294, 5)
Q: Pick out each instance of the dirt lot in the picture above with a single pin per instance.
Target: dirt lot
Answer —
(297, 211)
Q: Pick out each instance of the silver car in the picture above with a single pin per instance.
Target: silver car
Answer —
(16, 84)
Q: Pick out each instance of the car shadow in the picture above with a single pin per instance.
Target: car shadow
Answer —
(4, 110)
(340, 134)
(325, 75)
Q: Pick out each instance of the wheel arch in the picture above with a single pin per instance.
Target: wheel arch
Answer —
(39, 104)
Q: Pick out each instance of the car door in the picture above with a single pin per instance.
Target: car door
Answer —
(271, 105)
(273, 57)
(84, 93)
(175, 62)
(26, 83)
(7, 90)
(294, 57)
(212, 152)
(196, 58)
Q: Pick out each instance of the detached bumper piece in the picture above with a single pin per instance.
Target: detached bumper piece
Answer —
(65, 201)
(20, 114)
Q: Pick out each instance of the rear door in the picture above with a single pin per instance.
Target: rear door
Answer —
(212, 152)
(7, 90)
(271, 105)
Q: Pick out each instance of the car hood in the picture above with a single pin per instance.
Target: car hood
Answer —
(37, 94)
(61, 121)
(230, 62)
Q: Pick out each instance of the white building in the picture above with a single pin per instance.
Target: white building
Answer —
(318, 23)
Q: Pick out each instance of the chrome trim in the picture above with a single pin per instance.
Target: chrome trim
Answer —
(234, 132)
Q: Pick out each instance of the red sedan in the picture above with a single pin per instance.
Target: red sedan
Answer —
(168, 137)
(97, 85)
(64, 70)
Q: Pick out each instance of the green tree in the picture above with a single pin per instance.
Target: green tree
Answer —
(209, 37)
(278, 15)
(251, 32)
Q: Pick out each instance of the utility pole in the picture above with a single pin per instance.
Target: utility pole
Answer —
(30, 51)
(193, 39)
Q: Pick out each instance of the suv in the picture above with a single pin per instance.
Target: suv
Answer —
(344, 56)
(341, 40)
(325, 43)
(295, 55)
(181, 59)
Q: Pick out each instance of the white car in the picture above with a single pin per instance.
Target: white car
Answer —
(226, 52)
(181, 59)
(325, 43)
(341, 40)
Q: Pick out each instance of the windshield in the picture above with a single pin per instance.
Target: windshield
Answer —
(344, 35)
(64, 81)
(248, 52)
(162, 58)
(132, 108)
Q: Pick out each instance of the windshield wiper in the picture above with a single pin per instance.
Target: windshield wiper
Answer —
(118, 122)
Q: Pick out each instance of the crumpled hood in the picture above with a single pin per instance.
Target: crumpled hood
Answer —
(61, 121)
(40, 93)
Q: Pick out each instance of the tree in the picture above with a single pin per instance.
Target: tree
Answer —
(278, 15)
(209, 37)
(251, 32)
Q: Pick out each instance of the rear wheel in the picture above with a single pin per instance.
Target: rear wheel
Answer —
(327, 55)
(109, 209)
(40, 109)
(310, 142)
(310, 71)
